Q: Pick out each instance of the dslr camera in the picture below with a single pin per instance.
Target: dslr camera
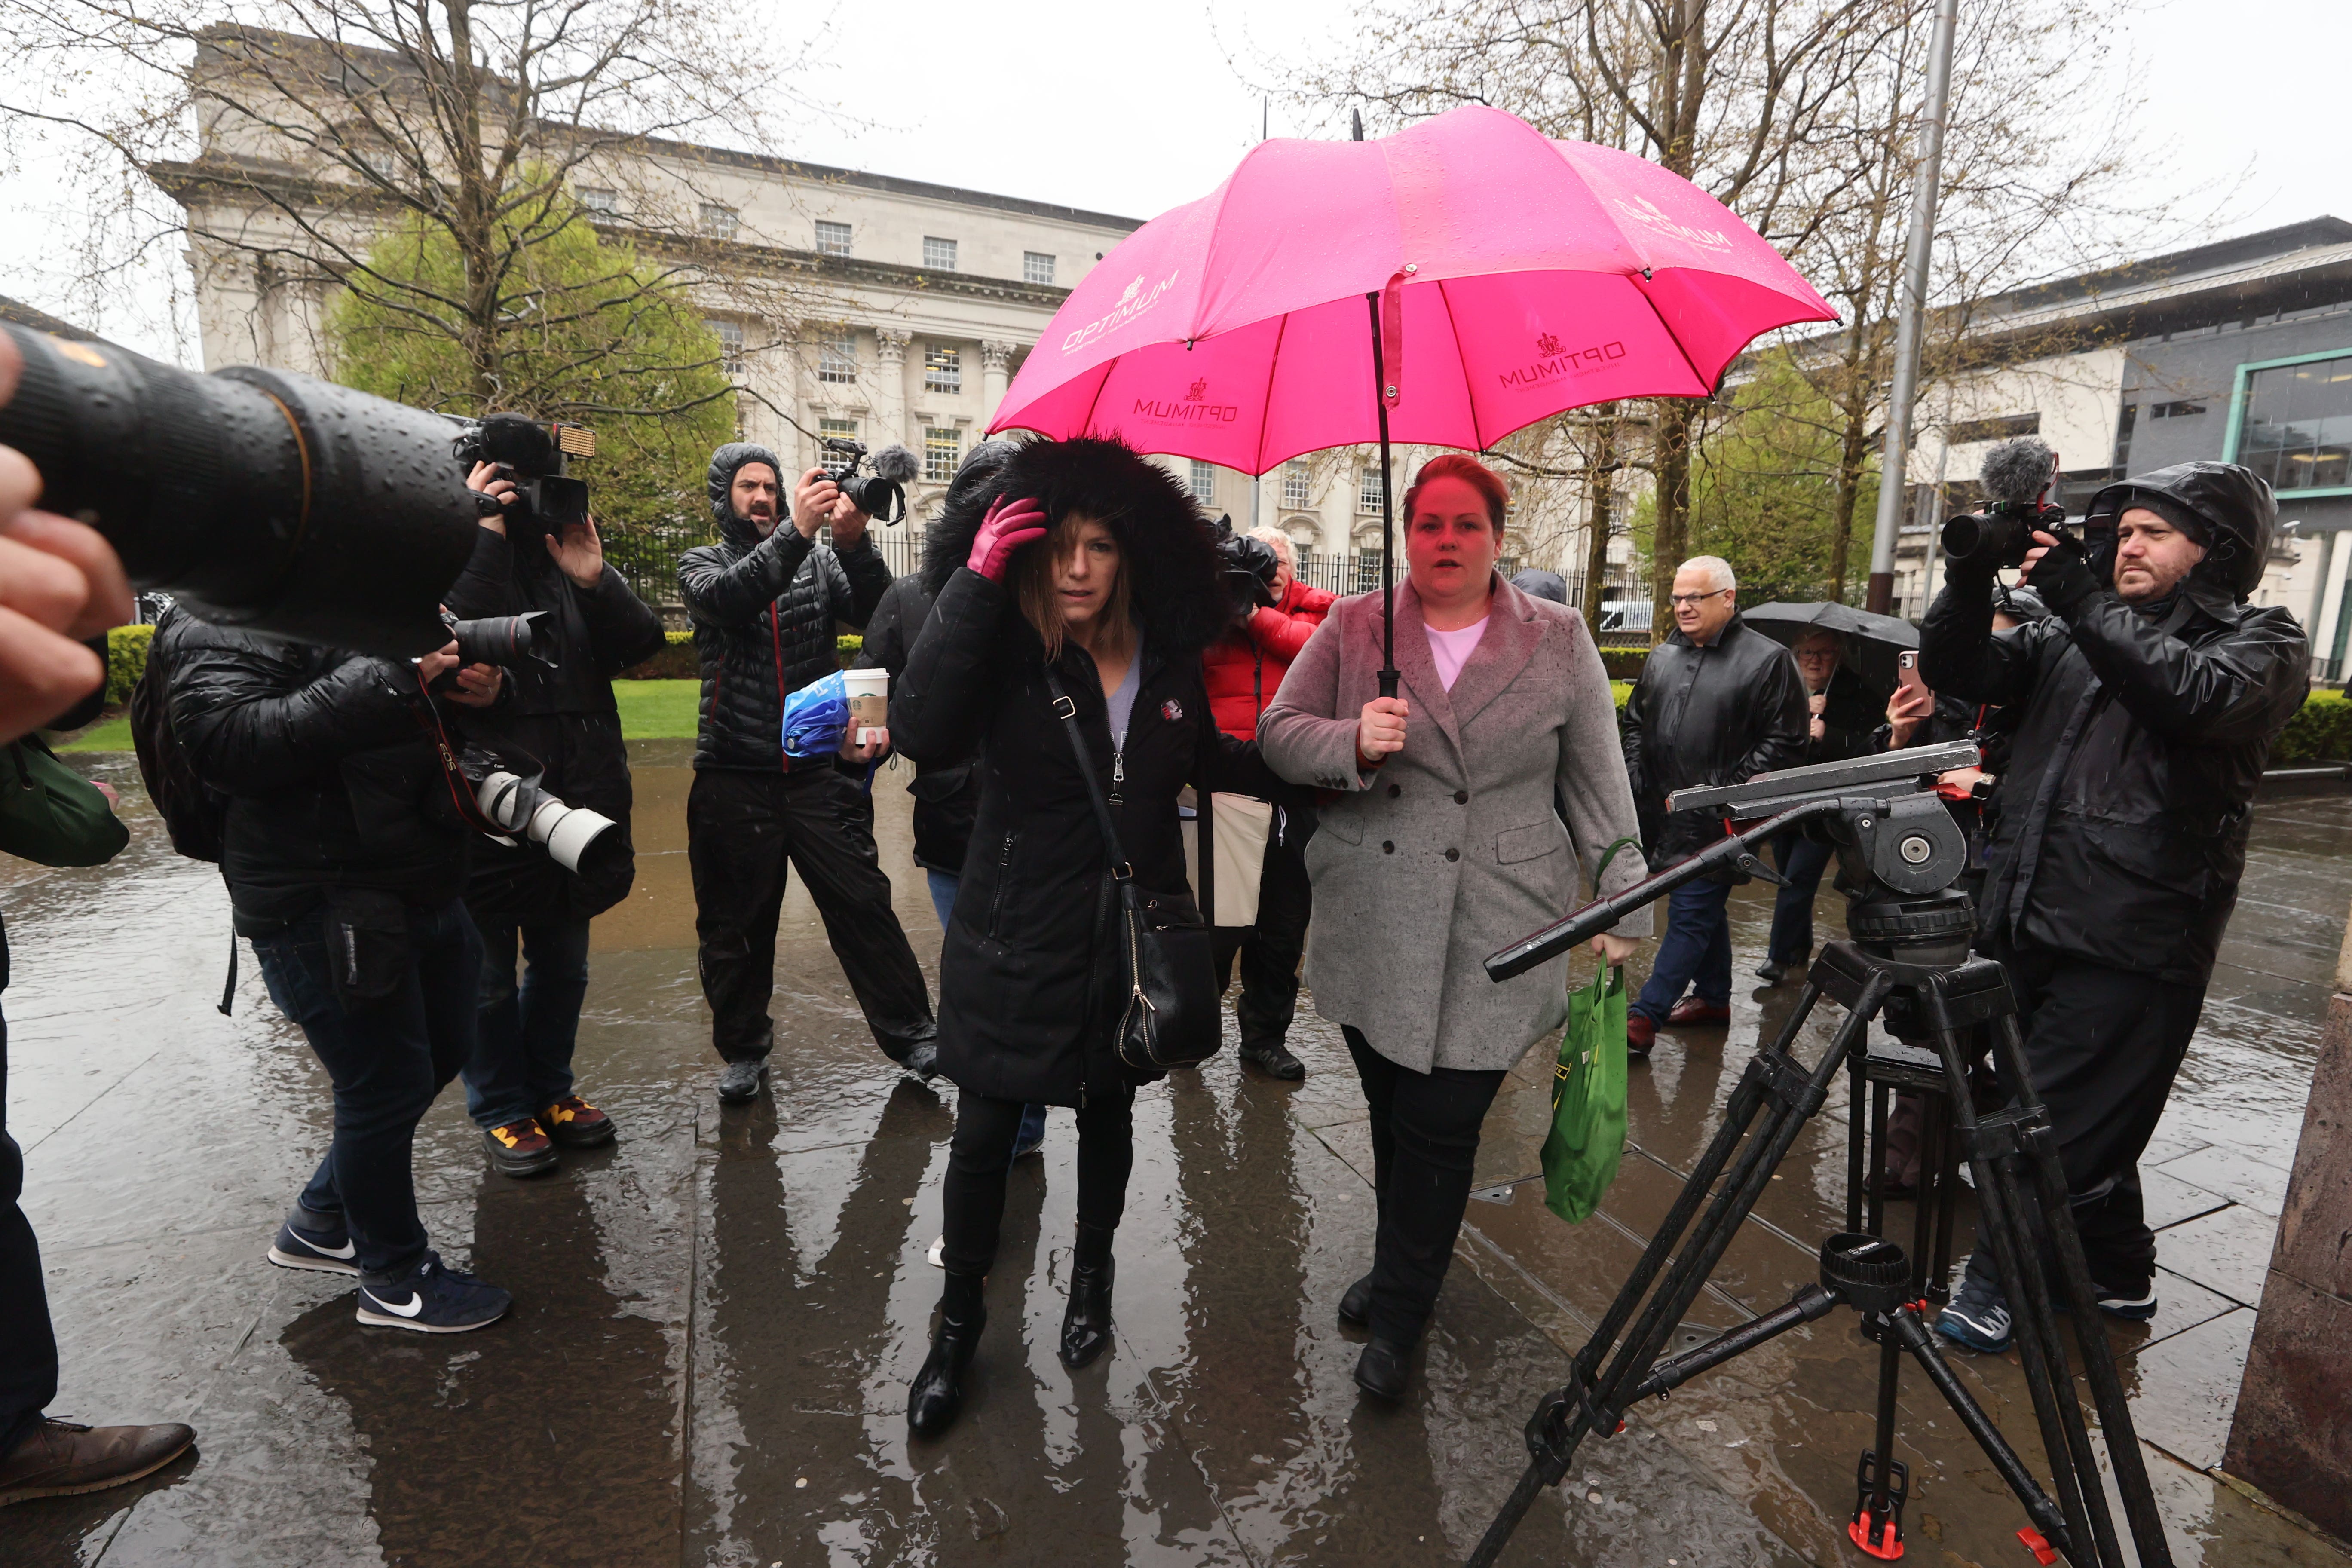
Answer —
(532, 456)
(1250, 566)
(880, 495)
(2016, 476)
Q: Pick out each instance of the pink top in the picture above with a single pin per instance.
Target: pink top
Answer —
(1451, 650)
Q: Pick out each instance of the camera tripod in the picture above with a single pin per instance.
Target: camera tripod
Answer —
(1907, 966)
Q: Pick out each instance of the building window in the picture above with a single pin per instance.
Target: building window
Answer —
(942, 450)
(2176, 410)
(845, 428)
(837, 356)
(730, 346)
(1367, 571)
(942, 368)
(1036, 267)
(2298, 425)
(719, 222)
(1297, 485)
(832, 238)
(1369, 489)
(1203, 482)
(2007, 427)
(602, 203)
(939, 255)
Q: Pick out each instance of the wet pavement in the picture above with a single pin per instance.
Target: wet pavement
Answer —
(717, 1318)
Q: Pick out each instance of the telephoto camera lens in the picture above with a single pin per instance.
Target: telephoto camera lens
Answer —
(502, 639)
(258, 498)
(575, 838)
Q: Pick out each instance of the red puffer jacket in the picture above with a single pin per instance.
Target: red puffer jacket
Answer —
(1244, 672)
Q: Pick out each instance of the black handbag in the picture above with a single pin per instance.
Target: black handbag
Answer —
(1171, 1018)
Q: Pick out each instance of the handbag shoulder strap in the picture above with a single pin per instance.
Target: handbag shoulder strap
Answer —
(1120, 871)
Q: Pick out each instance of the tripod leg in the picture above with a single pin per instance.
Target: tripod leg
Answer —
(1877, 1169)
(1923, 1195)
(2074, 1474)
(1857, 1094)
(1946, 1173)
(2098, 1358)
(1914, 1336)
(1883, 1480)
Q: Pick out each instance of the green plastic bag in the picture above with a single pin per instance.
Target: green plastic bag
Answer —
(1588, 1091)
(51, 814)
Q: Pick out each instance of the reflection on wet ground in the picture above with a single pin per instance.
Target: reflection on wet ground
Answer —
(716, 1320)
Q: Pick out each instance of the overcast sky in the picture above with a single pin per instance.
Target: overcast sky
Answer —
(1132, 109)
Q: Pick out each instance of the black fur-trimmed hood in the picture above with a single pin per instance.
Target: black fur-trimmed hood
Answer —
(1178, 592)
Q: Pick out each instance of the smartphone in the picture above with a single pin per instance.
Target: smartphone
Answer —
(1906, 667)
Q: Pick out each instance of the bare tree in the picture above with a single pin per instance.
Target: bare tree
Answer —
(297, 133)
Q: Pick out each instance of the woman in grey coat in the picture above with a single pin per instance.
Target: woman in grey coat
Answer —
(1445, 844)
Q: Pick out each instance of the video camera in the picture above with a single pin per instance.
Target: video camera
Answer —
(2017, 476)
(259, 499)
(881, 495)
(1250, 567)
(531, 455)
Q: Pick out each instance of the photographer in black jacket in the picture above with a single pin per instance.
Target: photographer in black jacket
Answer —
(764, 600)
(519, 1085)
(2147, 706)
(345, 862)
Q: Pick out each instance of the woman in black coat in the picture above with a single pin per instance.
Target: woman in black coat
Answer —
(1117, 601)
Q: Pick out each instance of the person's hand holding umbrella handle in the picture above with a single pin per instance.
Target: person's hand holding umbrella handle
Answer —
(1379, 732)
(1011, 524)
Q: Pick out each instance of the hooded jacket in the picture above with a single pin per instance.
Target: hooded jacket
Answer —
(562, 716)
(2140, 734)
(1030, 976)
(764, 613)
(1715, 715)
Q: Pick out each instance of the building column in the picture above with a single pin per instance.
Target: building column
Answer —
(996, 374)
(2331, 603)
(889, 388)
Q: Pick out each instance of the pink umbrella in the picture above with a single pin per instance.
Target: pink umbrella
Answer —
(1474, 274)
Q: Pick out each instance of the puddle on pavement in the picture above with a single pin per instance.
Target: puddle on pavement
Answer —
(716, 1320)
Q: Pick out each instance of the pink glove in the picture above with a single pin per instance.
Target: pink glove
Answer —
(1010, 524)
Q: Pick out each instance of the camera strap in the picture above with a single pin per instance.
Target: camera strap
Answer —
(453, 777)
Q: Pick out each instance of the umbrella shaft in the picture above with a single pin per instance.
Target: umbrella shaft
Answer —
(1388, 676)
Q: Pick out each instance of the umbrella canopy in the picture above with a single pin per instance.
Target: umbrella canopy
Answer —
(1872, 642)
(1513, 276)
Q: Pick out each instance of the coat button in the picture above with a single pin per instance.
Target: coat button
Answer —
(1454, 854)
(1461, 798)
(1388, 845)
(1395, 790)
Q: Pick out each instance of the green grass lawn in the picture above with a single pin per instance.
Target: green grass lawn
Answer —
(650, 711)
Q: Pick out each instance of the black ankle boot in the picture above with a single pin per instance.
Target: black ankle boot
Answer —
(1382, 1371)
(1355, 1304)
(937, 1391)
(1086, 1327)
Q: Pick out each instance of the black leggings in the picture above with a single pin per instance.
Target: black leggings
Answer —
(1424, 1144)
(982, 1153)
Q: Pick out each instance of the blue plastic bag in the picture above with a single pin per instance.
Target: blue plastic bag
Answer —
(816, 717)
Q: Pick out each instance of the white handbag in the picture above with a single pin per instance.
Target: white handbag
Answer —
(1237, 830)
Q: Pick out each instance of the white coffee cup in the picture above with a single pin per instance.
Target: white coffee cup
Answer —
(868, 692)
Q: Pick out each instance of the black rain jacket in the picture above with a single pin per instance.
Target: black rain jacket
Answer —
(328, 774)
(2139, 739)
(763, 616)
(1714, 715)
(1030, 972)
(945, 798)
(564, 718)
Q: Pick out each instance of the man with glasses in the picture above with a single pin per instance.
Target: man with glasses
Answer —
(1717, 703)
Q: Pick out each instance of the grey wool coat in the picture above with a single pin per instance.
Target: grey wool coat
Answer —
(1454, 846)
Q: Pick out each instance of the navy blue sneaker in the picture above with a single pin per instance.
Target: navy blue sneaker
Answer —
(1032, 1135)
(1978, 1319)
(320, 1242)
(430, 1299)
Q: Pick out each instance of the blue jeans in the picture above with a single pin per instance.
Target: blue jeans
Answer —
(1801, 861)
(388, 1061)
(1696, 949)
(522, 1049)
(1031, 1131)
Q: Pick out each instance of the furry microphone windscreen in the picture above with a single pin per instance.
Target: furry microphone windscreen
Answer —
(895, 464)
(2016, 472)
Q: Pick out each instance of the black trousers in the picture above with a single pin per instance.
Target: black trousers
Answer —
(745, 831)
(2104, 1045)
(1271, 948)
(1424, 1143)
(28, 1348)
(981, 1153)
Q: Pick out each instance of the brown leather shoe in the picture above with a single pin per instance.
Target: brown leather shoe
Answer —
(1690, 1013)
(1641, 1033)
(62, 1458)
(574, 1123)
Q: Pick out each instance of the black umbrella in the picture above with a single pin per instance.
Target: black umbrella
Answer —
(1870, 642)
